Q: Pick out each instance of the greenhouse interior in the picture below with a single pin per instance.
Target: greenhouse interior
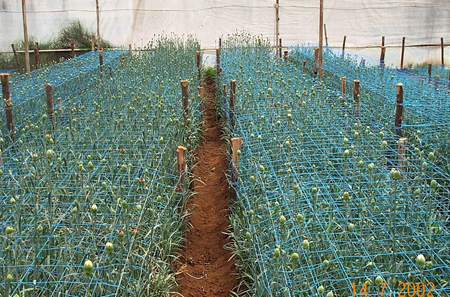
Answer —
(225, 148)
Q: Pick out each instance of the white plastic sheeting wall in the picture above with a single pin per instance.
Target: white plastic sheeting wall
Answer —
(137, 21)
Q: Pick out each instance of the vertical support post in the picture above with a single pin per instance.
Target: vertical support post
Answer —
(277, 22)
(403, 53)
(442, 51)
(236, 144)
(233, 84)
(72, 49)
(100, 55)
(316, 58)
(36, 56)
(285, 56)
(399, 110)
(356, 94)
(383, 53)
(303, 66)
(280, 49)
(185, 94)
(200, 92)
(182, 168)
(199, 69)
(401, 150)
(92, 42)
(6, 92)
(220, 43)
(429, 70)
(218, 61)
(343, 43)
(326, 36)
(224, 94)
(25, 37)
(15, 55)
(436, 77)
(321, 40)
(382, 40)
(99, 46)
(343, 88)
(130, 49)
(49, 95)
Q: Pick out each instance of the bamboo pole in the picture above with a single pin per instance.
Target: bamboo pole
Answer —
(185, 94)
(98, 25)
(403, 53)
(343, 87)
(343, 43)
(6, 92)
(285, 56)
(382, 55)
(442, 51)
(233, 84)
(316, 57)
(36, 56)
(198, 62)
(321, 40)
(399, 110)
(25, 37)
(429, 70)
(15, 56)
(218, 61)
(100, 56)
(382, 40)
(326, 36)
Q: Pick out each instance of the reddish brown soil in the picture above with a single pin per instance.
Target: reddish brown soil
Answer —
(207, 269)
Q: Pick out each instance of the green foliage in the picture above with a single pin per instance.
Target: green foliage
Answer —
(210, 72)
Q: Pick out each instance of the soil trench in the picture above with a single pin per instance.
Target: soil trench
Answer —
(207, 269)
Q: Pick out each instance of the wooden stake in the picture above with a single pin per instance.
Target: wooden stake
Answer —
(15, 56)
(8, 105)
(130, 49)
(181, 160)
(25, 37)
(100, 55)
(356, 94)
(36, 56)
(218, 61)
(224, 89)
(429, 69)
(233, 84)
(200, 92)
(280, 48)
(316, 58)
(236, 144)
(401, 150)
(343, 43)
(199, 69)
(321, 40)
(92, 42)
(325, 31)
(403, 53)
(99, 46)
(383, 53)
(343, 87)
(399, 110)
(436, 77)
(303, 66)
(382, 40)
(285, 56)
(442, 51)
(49, 95)
(220, 42)
(185, 94)
(72, 49)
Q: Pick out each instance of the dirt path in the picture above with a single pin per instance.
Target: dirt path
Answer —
(206, 268)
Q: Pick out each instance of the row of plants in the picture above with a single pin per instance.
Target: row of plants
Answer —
(91, 203)
(325, 203)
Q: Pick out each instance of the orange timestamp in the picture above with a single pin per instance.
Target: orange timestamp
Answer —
(409, 289)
